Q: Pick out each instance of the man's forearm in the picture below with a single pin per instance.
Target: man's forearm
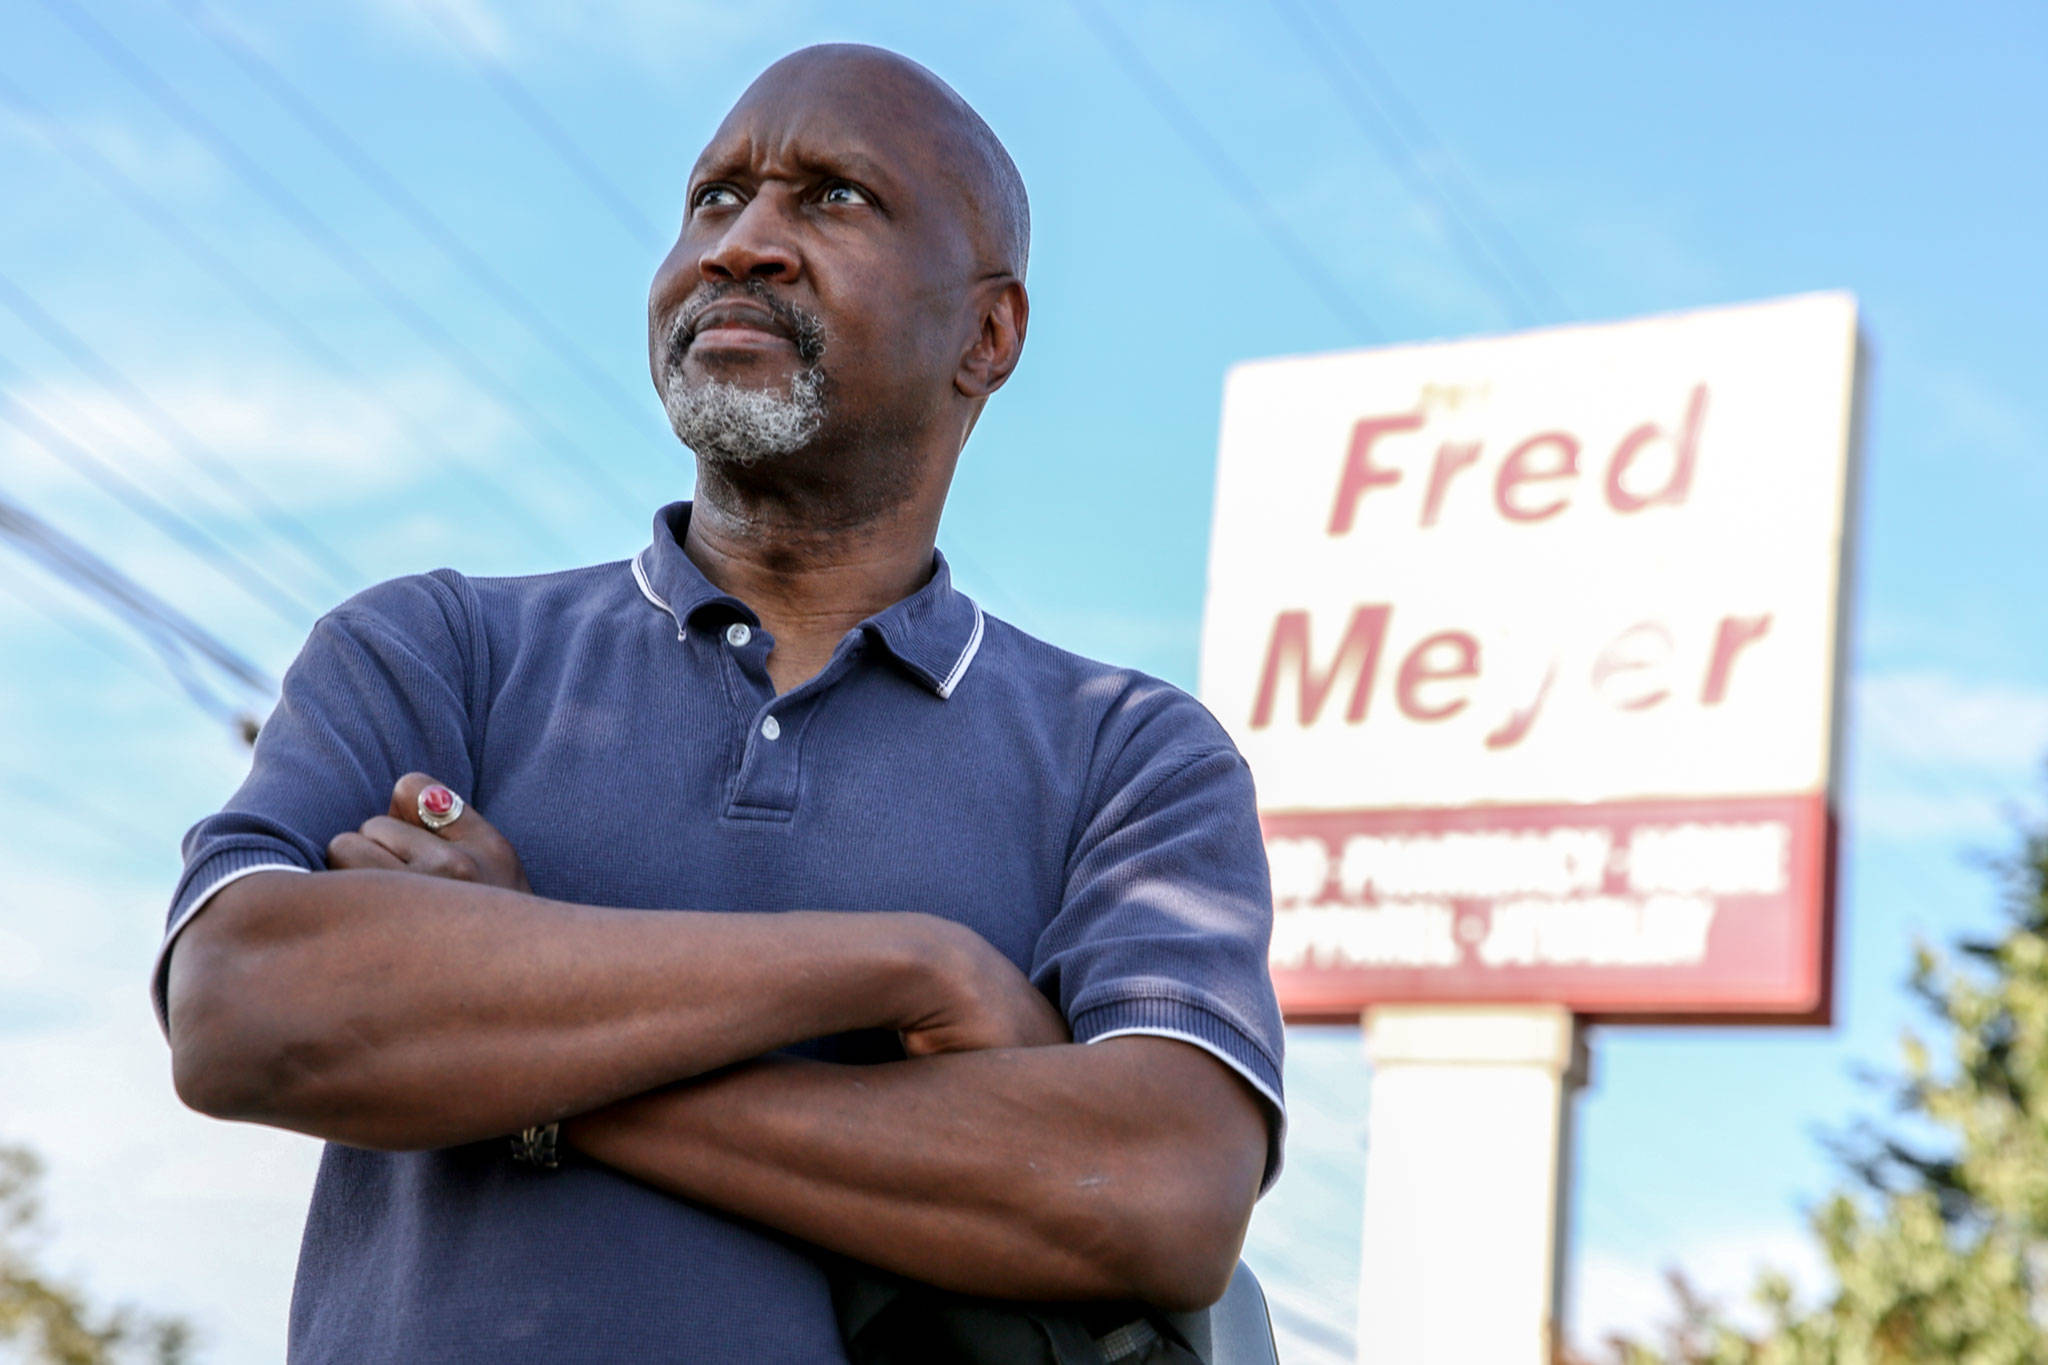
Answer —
(1113, 1170)
(383, 1009)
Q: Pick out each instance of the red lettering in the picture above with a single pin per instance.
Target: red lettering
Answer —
(1417, 670)
(1360, 473)
(1359, 652)
(1736, 633)
(1516, 726)
(1685, 450)
(1646, 645)
(1516, 471)
(1450, 458)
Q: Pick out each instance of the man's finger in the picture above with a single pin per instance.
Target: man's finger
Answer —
(352, 851)
(408, 843)
(468, 829)
(416, 792)
(421, 851)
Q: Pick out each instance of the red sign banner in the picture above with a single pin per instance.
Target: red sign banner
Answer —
(1641, 909)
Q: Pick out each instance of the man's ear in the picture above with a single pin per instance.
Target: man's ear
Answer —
(1000, 342)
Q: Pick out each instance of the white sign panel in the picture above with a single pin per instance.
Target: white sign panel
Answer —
(1531, 642)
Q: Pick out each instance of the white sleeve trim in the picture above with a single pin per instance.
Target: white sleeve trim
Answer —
(1203, 1043)
(198, 903)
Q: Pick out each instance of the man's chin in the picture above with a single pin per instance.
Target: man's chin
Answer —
(744, 419)
(737, 366)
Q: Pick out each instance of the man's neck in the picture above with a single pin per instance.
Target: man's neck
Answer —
(810, 578)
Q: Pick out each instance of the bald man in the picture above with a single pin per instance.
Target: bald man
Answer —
(767, 892)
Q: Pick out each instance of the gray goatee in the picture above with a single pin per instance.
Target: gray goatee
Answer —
(735, 425)
(724, 422)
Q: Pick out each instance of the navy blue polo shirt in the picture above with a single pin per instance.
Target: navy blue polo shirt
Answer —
(619, 725)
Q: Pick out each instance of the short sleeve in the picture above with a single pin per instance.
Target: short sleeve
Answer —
(1168, 912)
(380, 689)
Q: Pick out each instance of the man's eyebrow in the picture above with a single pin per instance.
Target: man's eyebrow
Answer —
(852, 165)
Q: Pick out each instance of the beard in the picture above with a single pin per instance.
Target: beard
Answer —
(729, 424)
(732, 424)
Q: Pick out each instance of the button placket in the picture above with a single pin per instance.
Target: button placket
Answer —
(771, 771)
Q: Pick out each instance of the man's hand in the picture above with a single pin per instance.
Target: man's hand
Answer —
(469, 849)
(983, 1001)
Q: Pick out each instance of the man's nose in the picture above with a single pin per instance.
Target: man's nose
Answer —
(754, 246)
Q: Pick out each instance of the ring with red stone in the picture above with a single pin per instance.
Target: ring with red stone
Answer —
(439, 807)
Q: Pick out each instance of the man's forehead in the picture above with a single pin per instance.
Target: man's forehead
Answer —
(843, 104)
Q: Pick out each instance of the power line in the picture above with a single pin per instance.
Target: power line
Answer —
(36, 599)
(79, 566)
(48, 797)
(250, 577)
(180, 642)
(1183, 122)
(338, 250)
(266, 307)
(1395, 124)
(387, 187)
(530, 111)
(309, 546)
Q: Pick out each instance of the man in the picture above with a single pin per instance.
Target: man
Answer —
(769, 800)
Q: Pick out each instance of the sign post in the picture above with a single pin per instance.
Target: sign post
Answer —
(1533, 643)
(1470, 1126)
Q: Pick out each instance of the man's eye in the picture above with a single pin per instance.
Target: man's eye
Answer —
(845, 194)
(714, 196)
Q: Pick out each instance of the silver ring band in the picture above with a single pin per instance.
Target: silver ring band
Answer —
(439, 819)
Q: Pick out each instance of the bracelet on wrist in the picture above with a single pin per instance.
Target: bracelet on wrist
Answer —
(538, 1146)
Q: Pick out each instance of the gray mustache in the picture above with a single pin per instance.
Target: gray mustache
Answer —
(803, 326)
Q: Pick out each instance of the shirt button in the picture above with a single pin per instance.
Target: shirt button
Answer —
(737, 634)
(771, 728)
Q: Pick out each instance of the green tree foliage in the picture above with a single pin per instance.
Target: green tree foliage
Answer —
(46, 1323)
(1938, 1243)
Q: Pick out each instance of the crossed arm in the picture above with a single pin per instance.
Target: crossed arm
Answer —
(380, 1007)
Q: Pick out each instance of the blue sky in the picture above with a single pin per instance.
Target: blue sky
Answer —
(1644, 158)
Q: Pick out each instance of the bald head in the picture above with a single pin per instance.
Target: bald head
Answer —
(872, 84)
(847, 289)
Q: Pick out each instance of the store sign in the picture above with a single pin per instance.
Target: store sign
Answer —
(1532, 644)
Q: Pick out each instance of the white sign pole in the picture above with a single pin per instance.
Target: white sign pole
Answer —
(1467, 1162)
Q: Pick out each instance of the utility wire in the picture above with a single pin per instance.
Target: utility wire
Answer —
(387, 187)
(180, 642)
(1406, 140)
(288, 529)
(1501, 286)
(530, 111)
(265, 306)
(1241, 186)
(338, 250)
(245, 574)
(71, 561)
(17, 585)
(39, 790)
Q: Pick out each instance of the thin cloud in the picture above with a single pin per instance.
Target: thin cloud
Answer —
(160, 160)
(1610, 1293)
(1935, 718)
(651, 32)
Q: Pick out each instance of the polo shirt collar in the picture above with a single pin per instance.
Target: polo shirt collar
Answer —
(934, 633)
